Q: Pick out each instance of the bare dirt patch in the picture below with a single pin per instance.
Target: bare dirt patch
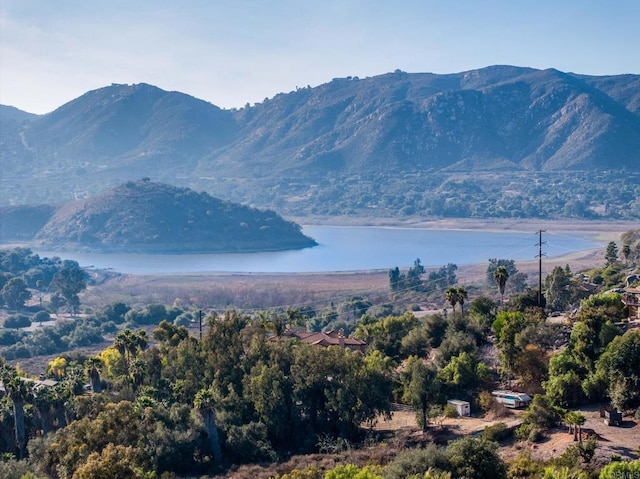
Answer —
(621, 441)
(460, 425)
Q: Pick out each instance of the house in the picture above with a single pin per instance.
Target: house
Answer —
(631, 299)
(462, 407)
(35, 384)
(324, 339)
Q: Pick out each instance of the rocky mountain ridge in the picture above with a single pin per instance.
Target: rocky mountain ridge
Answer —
(285, 151)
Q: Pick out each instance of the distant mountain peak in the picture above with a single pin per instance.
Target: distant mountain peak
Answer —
(501, 119)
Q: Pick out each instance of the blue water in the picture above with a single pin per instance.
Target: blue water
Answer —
(351, 249)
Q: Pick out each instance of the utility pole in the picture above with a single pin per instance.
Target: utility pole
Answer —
(200, 316)
(540, 255)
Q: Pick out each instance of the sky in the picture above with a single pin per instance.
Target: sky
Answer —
(234, 52)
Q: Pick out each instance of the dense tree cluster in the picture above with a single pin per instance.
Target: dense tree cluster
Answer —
(612, 195)
(22, 271)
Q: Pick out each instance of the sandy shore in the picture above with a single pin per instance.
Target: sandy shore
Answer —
(602, 229)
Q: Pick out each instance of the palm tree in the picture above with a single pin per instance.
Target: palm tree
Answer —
(278, 324)
(19, 392)
(462, 297)
(580, 420)
(501, 275)
(129, 344)
(140, 341)
(294, 318)
(452, 297)
(574, 420)
(92, 368)
(122, 343)
(59, 402)
(43, 401)
(205, 404)
(138, 371)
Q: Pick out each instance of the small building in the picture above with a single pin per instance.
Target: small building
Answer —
(463, 407)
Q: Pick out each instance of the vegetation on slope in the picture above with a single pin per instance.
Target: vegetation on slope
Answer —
(150, 217)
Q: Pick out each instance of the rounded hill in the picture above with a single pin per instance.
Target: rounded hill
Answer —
(149, 217)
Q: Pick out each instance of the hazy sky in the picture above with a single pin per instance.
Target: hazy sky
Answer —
(233, 52)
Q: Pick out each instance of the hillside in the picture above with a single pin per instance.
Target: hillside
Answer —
(21, 223)
(149, 217)
(497, 130)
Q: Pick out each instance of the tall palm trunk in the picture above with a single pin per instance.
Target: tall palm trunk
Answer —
(210, 425)
(18, 417)
(96, 386)
(205, 404)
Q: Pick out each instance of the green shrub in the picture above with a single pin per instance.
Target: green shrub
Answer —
(617, 470)
(497, 432)
(417, 461)
(535, 435)
(17, 321)
(523, 430)
(450, 411)
(41, 317)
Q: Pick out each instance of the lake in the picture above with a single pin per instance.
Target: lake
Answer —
(347, 248)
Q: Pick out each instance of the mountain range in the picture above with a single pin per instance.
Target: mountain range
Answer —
(305, 152)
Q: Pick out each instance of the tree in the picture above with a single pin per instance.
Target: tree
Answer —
(68, 282)
(351, 471)
(495, 263)
(442, 278)
(17, 321)
(462, 376)
(410, 281)
(475, 459)
(129, 344)
(41, 316)
(619, 469)
(413, 276)
(20, 393)
(558, 292)
(542, 413)
(620, 366)
(452, 297)
(271, 393)
(205, 405)
(418, 387)
(92, 370)
(572, 419)
(15, 293)
(462, 297)
(394, 279)
(113, 461)
(580, 419)
(611, 255)
(43, 402)
(501, 275)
